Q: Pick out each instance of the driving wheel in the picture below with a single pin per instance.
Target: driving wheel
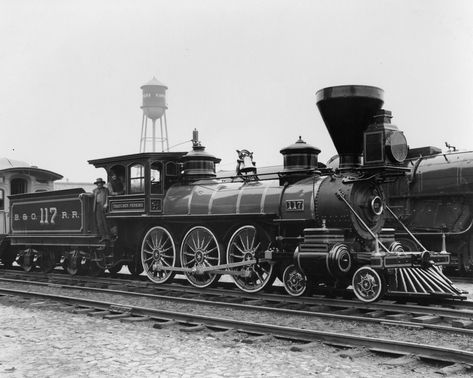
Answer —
(243, 245)
(158, 252)
(199, 250)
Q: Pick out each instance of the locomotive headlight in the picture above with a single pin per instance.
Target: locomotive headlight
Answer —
(396, 146)
(384, 144)
(377, 205)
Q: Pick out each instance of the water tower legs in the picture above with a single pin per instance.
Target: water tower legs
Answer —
(148, 143)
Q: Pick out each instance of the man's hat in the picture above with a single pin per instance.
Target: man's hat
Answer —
(98, 181)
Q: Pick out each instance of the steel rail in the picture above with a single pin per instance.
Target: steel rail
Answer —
(454, 314)
(384, 305)
(333, 338)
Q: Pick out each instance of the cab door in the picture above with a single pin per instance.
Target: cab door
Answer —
(156, 182)
(4, 224)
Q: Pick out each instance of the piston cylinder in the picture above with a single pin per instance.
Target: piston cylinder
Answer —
(323, 255)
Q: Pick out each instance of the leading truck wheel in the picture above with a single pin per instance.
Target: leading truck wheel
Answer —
(242, 247)
(294, 281)
(157, 252)
(368, 284)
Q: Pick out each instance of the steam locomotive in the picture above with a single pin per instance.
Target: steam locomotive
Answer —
(309, 225)
(435, 201)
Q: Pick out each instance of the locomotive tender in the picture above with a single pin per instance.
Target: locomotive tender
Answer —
(310, 225)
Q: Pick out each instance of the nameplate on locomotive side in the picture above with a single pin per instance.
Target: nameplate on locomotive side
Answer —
(295, 205)
(55, 215)
(127, 206)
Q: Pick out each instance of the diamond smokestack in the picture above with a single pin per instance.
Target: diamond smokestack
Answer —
(347, 110)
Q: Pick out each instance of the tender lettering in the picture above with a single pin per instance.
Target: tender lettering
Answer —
(47, 215)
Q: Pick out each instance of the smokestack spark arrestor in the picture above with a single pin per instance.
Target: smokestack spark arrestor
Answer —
(347, 110)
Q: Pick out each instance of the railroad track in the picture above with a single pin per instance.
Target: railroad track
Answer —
(163, 318)
(458, 317)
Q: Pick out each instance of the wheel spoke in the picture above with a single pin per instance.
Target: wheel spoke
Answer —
(209, 251)
(260, 276)
(163, 244)
(239, 249)
(166, 263)
(240, 258)
(154, 239)
(207, 245)
(190, 262)
(211, 258)
(149, 243)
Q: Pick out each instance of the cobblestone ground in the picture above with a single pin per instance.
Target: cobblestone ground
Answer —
(39, 342)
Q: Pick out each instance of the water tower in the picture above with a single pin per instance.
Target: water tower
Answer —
(154, 108)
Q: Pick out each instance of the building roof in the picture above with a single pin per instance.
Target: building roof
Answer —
(154, 82)
(11, 165)
(6, 163)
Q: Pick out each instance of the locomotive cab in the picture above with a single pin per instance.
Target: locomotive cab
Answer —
(145, 178)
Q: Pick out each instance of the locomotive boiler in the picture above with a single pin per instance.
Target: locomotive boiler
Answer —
(307, 225)
(435, 201)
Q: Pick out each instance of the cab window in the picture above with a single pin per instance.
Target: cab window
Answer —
(156, 178)
(137, 178)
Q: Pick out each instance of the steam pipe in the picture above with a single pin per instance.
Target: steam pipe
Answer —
(405, 228)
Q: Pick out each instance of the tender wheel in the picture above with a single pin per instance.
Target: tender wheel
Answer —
(7, 261)
(26, 260)
(47, 262)
(135, 266)
(158, 251)
(368, 284)
(294, 281)
(92, 268)
(72, 263)
(242, 247)
(115, 269)
(200, 249)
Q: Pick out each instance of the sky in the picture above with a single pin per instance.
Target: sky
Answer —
(244, 73)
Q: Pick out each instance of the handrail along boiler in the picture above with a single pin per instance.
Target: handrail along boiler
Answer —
(308, 224)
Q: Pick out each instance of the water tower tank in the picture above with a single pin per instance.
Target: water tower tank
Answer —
(154, 99)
